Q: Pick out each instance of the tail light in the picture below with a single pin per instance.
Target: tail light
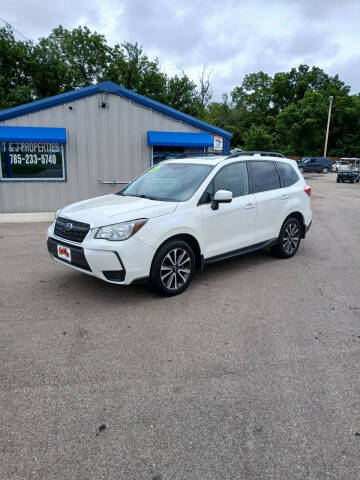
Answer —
(307, 190)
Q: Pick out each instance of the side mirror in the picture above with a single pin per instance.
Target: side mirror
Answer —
(221, 196)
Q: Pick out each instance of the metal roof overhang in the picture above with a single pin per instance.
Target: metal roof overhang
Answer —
(110, 87)
(32, 134)
(180, 139)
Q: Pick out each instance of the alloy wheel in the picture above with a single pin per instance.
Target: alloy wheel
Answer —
(291, 238)
(175, 269)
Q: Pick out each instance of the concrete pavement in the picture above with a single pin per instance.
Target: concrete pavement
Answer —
(253, 373)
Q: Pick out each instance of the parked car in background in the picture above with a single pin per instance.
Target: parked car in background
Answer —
(181, 215)
(345, 163)
(340, 166)
(315, 164)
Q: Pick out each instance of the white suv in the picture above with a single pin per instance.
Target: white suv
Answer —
(340, 166)
(182, 214)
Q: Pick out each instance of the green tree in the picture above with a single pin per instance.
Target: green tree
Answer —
(77, 58)
(254, 92)
(300, 127)
(15, 71)
(344, 138)
(257, 138)
(290, 87)
(130, 67)
(182, 95)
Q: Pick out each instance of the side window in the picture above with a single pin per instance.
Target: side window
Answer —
(313, 160)
(265, 176)
(287, 174)
(234, 178)
(208, 195)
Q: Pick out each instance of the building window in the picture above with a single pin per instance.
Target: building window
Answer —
(161, 153)
(32, 161)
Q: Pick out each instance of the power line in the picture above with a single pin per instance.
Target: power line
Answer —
(13, 28)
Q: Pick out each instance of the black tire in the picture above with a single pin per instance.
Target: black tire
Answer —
(289, 239)
(338, 180)
(301, 169)
(351, 181)
(325, 170)
(175, 253)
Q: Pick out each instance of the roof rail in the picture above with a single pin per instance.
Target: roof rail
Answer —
(259, 153)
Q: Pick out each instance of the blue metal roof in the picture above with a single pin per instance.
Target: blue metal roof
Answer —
(111, 87)
(32, 134)
(180, 139)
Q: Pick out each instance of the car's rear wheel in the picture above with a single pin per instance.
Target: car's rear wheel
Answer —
(325, 170)
(173, 268)
(338, 180)
(289, 239)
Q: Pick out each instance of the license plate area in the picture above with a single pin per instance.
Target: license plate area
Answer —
(64, 252)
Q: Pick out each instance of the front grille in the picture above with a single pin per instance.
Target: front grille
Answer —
(77, 254)
(77, 233)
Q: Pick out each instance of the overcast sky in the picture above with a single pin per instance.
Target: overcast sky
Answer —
(232, 37)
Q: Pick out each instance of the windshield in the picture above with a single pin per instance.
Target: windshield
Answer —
(175, 182)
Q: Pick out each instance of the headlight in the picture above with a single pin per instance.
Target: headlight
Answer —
(120, 231)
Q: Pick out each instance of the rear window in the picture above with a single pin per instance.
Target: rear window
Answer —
(264, 176)
(287, 174)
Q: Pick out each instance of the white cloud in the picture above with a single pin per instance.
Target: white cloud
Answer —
(232, 37)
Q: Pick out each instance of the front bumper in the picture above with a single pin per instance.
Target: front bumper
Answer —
(123, 262)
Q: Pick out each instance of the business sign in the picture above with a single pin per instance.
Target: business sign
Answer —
(218, 142)
(32, 161)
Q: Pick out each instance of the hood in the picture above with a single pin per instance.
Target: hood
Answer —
(109, 209)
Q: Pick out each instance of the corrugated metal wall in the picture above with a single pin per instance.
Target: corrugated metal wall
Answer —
(103, 144)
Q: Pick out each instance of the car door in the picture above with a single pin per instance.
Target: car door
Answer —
(231, 226)
(312, 164)
(270, 200)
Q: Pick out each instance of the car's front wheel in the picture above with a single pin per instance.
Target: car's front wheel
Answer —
(301, 169)
(289, 239)
(173, 268)
(325, 170)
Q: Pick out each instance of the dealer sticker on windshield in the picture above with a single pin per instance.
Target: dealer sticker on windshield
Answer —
(64, 253)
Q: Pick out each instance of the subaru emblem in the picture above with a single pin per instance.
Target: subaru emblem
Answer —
(68, 226)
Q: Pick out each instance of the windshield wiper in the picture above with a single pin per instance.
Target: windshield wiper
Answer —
(148, 197)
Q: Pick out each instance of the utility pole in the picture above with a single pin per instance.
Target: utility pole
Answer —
(328, 126)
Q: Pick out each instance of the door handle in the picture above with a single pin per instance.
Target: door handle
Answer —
(248, 206)
(284, 197)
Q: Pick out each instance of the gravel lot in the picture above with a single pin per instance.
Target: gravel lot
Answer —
(252, 373)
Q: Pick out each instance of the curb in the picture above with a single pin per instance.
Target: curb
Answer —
(26, 217)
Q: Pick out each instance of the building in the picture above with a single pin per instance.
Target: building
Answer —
(88, 142)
